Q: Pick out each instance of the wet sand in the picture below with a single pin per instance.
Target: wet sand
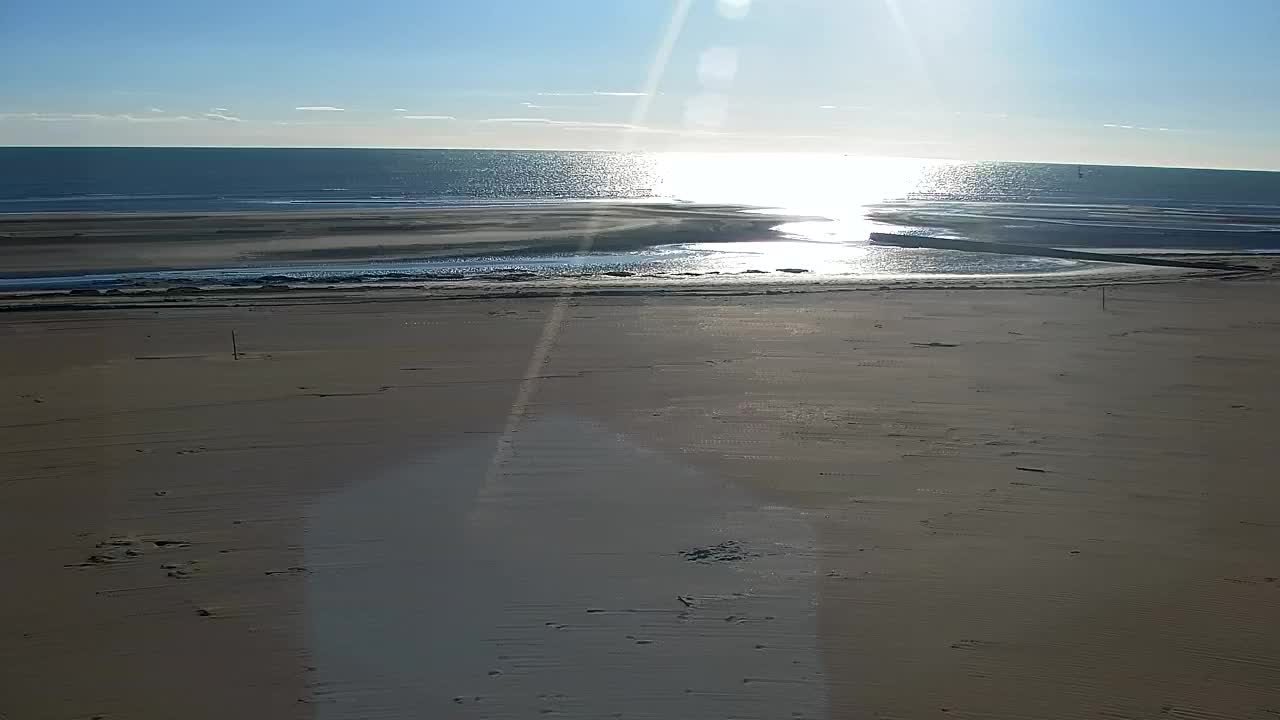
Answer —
(42, 244)
(897, 504)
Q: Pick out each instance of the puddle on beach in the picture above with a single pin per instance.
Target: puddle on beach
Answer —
(588, 578)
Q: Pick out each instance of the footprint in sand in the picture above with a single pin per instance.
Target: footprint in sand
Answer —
(180, 571)
(123, 549)
(727, 551)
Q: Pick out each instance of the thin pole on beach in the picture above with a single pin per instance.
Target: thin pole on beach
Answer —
(235, 352)
(1104, 298)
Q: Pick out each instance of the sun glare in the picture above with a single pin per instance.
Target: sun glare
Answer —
(829, 186)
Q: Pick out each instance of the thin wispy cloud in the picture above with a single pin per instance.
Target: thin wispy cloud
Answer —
(53, 117)
(603, 125)
(94, 117)
(1118, 126)
(429, 117)
(541, 106)
(596, 125)
(328, 123)
(220, 110)
(571, 125)
(319, 108)
(594, 93)
(152, 118)
(515, 120)
(156, 110)
(402, 110)
(221, 117)
(561, 123)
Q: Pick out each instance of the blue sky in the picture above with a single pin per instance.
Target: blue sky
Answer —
(1164, 82)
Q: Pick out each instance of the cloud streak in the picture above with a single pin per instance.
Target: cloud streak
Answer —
(561, 123)
(92, 117)
(319, 108)
(594, 93)
(623, 126)
(540, 106)
(153, 116)
(1118, 126)
(429, 117)
(53, 117)
(516, 120)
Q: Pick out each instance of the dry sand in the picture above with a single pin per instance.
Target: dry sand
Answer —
(874, 504)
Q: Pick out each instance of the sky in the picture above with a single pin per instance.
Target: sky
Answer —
(1144, 82)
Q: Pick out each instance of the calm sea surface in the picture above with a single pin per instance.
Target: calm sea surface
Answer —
(1096, 207)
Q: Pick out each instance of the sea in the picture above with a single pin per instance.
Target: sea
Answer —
(828, 206)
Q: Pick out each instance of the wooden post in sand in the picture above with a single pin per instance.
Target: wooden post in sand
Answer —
(235, 353)
(1104, 298)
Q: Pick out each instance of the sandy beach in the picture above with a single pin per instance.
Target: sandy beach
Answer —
(86, 242)
(899, 503)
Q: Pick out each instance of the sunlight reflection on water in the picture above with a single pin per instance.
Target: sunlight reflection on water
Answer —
(828, 207)
(827, 186)
(839, 259)
(831, 193)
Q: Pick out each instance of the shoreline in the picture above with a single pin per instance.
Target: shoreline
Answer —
(1003, 248)
(574, 246)
(330, 239)
(741, 285)
(103, 242)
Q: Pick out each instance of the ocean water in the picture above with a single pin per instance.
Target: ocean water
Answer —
(836, 200)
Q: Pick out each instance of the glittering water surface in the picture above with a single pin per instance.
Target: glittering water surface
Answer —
(837, 201)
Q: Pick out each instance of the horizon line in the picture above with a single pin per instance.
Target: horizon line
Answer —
(655, 152)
